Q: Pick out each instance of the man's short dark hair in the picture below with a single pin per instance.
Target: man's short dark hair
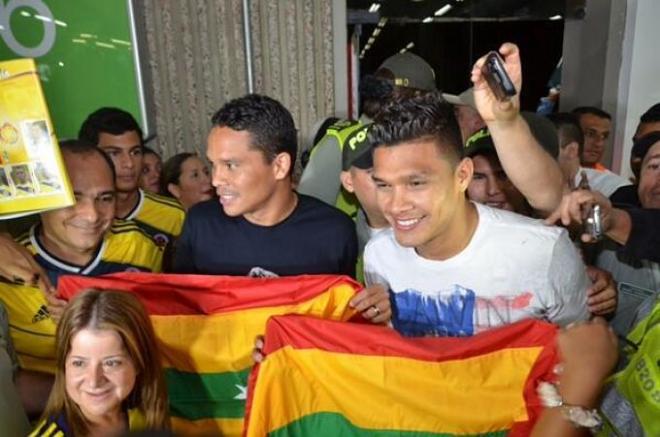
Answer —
(113, 121)
(652, 115)
(420, 118)
(580, 110)
(568, 128)
(83, 147)
(269, 123)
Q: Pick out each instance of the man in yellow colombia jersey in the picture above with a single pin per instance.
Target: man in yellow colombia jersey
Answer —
(118, 134)
(83, 239)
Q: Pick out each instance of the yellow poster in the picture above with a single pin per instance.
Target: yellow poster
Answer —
(32, 175)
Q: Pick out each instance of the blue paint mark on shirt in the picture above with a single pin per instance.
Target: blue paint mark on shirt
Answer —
(445, 314)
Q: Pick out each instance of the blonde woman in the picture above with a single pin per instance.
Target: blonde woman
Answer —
(109, 377)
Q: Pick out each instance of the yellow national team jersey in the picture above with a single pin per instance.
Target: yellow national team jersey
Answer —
(159, 216)
(125, 248)
(57, 426)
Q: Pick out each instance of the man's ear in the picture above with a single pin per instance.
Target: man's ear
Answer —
(573, 149)
(463, 173)
(281, 165)
(174, 190)
(347, 181)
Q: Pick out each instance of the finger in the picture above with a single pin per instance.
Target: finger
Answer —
(17, 280)
(479, 64)
(259, 342)
(562, 210)
(601, 289)
(508, 49)
(552, 218)
(586, 238)
(476, 76)
(383, 317)
(576, 212)
(55, 300)
(604, 296)
(603, 308)
(597, 287)
(56, 304)
(367, 297)
(370, 301)
(44, 284)
(257, 356)
(370, 313)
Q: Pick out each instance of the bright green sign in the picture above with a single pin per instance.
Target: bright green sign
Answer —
(85, 54)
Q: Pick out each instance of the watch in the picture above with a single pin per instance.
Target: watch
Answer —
(582, 417)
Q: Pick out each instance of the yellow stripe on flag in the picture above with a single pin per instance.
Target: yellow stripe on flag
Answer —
(223, 342)
(456, 397)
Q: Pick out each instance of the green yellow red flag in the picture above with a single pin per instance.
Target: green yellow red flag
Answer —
(322, 378)
(206, 326)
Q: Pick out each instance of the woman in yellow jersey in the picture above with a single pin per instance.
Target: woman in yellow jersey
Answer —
(109, 376)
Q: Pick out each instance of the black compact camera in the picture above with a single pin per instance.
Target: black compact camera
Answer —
(496, 76)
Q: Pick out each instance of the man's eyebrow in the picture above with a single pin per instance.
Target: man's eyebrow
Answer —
(654, 156)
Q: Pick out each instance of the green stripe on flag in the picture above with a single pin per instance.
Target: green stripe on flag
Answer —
(334, 424)
(196, 396)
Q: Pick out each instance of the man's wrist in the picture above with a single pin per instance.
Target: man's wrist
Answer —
(583, 390)
(618, 225)
(512, 122)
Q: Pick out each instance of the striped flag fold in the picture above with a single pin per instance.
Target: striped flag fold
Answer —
(206, 326)
(323, 378)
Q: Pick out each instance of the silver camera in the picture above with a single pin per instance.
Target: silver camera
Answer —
(593, 224)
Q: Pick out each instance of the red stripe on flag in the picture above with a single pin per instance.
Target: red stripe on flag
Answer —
(201, 294)
(384, 341)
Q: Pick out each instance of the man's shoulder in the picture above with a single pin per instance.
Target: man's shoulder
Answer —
(625, 196)
(163, 204)
(509, 225)
(383, 243)
(205, 211)
(605, 181)
(344, 124)
(160, 214)
(124, 232)
(128, 244)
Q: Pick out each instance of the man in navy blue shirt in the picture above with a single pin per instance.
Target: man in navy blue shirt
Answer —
(261, 226)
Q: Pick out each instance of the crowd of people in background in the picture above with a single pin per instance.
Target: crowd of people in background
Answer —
(459, 214)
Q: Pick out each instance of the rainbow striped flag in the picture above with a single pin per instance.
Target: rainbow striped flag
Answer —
(322, 378)
(206, 326)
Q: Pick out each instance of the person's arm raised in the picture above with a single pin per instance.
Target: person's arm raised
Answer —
(529, 167)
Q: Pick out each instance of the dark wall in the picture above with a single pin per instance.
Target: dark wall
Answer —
(452, 48)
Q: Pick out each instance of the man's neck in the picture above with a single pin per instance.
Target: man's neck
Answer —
(59, 250)
(277, 208)
(456, 237)
(126, 202)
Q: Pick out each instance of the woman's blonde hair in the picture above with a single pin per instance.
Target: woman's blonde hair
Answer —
(124, 314)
